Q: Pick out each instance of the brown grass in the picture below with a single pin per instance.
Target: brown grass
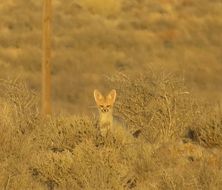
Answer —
(92, 38)
(167, 108)
(61, 152)
(179, 146)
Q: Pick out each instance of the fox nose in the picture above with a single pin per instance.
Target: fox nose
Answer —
(105, 110)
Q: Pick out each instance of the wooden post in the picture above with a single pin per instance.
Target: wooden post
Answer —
(46, 59)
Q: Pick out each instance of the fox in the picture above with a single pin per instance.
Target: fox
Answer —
(107, 121)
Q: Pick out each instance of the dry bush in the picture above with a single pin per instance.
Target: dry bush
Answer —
(105, 8)
(159, 106)
(58, 152)
(61, 152)
(138, 34)
(23, 104)
(19, 117)
(71, 153)
(162, 108)
(207, 130)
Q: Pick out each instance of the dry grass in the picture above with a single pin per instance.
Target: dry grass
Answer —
(93, 37)
(158, 106)
(104, 8)
(179, 146)
(61, 152)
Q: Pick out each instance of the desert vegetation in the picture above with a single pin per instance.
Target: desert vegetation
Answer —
(164, 60)
(179, 146)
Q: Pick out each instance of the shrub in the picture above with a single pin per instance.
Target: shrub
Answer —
(105, 8)
(61, 152)
(159, 106)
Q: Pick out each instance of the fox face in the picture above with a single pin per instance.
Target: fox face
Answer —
(105, 103)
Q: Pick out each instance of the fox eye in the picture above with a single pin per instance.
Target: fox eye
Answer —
(101, 106)
(108, 106)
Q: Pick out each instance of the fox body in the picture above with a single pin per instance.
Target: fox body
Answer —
(107, 122)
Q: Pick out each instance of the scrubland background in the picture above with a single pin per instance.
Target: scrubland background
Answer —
(163, 57)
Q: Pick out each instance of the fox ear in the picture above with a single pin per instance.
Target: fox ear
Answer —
(98, 96)
(112, 96)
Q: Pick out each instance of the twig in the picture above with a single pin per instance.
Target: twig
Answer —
(7, 183)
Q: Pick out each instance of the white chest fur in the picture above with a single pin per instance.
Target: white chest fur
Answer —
(106, 118)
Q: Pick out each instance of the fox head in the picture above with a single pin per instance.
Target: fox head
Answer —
(105, 103)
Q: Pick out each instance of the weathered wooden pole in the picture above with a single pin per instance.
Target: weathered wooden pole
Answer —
(46, 57)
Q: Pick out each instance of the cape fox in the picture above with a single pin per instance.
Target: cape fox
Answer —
(108, 122)
(105, 104)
